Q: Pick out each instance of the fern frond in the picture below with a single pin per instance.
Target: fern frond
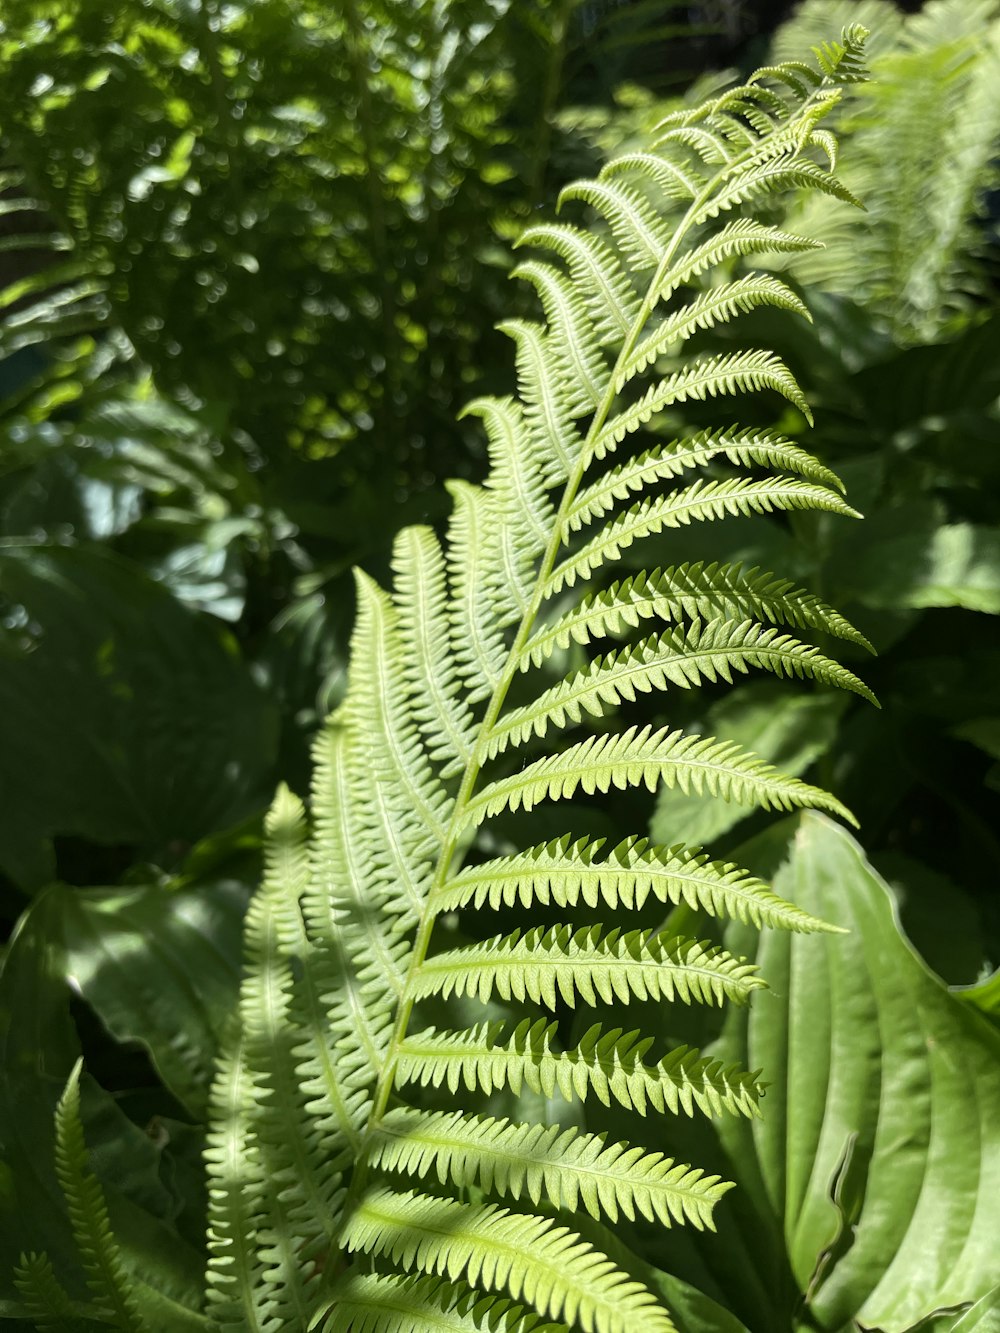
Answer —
(595, 270)
(607, 1064)
(558, 964)
(115, 1302)
(585, 371)
(44, 1297)
(318, 1098)
(639, 231)
(236, 1292)
(568, 1168)
(566, 872)
(548, 1265)
(697, 503)
(738, 238)
(688, 592)
(683, 658)
(375, 1303)
(737, 447)
(438, 705)
(716, 306)
(644, 756)
(709, 377)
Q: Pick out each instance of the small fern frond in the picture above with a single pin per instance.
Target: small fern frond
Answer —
(547, 1265)
(728, 373)
(647, 757)
(594, 270)
(683, 658)
(236, 1293)
(374, 1303)
(607, 1064)
(716, 306)
(702, 501)
(640, 233)
(114, 1301)
(45, 1299)
(653, 465)
(688, 592)
(567, 872)
(559, 965)
(569, 1168)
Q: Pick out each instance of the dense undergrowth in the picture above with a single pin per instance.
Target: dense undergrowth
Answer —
(239, 323)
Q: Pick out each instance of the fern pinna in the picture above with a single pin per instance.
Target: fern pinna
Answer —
(379, 1159)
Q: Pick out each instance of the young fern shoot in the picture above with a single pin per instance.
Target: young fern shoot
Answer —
(344, 1195)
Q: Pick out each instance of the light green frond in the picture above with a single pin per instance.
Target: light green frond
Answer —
(643, 756)
(585, 372)
(361, 954)
(762, 447)
(343, 945)
(708, 377)
(45, 1299)
(675, 178)
(474, 545)
(702, 501)
(595, 270)
(566, 1167)
(607, 1064)
(421, 593)
(790, 172)
(88, 1214)
(237, 1296)
(376, 1303)
(516, 476)
(716, 306)
(687, 592)
(299, 1179)
(684, 658)
(417, 807)
(567, 871)
(740, 237)
(537, 1260)
(560, 965)
(641, 233)
(546, 407)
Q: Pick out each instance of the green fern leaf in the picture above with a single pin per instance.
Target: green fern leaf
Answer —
(594, 270)
(318, 1103)
(699, 502)
(557, 965)
(566, 873)
(607, 1064)
(666, 461)
(688, 592)
(683, 658)
(45, 1299)
(374, 1303)
(568, 1168)
(115, 1303)
(642, 756)
(548, 1265)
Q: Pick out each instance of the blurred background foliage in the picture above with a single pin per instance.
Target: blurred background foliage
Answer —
(251, 256)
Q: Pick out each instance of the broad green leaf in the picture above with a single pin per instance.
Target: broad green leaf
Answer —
(870, 1190)
(957, 564)
(130, 719)
(160, 966)
(38, 1047)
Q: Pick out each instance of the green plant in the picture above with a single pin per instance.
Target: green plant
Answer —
(343, 1190)
(924, 140)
